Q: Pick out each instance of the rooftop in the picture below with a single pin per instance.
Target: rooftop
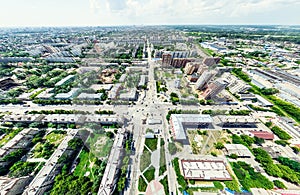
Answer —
(205, 170)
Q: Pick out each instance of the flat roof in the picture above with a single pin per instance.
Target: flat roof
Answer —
(106, 87)
(179, 120)
(61, 82)
(263, 134)
(205, 170)
(238, 149)
(67, 95)
(61, 118)
(109, 177)
(236, 119)
(90, 96)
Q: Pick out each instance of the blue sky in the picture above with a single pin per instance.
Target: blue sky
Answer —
(147, 12)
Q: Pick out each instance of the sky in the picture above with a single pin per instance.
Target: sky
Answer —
(19, 13)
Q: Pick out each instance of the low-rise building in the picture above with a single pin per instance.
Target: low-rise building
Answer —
(225, 121)
(122, 78)
(65, 80)
(206, 170)
(46, 94)
(114, 92)
(110, 175)
(88, 96)
(263, 134)
(131, 95)
(240, 150)
(263, 102)
(12, 186)
(179, 123)
(143, 81)
(65, 96)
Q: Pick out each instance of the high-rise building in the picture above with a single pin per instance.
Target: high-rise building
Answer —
(180, 62)
(191, 67)
(202, 68)
(204, 79)
(166, 59)
(211, 61)
(214, 88)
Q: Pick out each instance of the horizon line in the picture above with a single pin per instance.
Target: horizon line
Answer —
(143, 25)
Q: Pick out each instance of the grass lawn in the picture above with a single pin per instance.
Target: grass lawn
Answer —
(149, 174)
(142, 184)
(162, 169)
(100, 145)
(83, 165)
(50, 142)
(165, 183)
(145, 159)
(162, 161)
(55, 138)
(151, 144)
(9, 136)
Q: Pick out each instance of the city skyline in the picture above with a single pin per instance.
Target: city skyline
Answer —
(153, 12)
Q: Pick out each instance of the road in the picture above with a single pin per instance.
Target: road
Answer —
(146, 107)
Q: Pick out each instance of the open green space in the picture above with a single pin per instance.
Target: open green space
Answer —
(165, 183)
(48, 144)
(142, 184)
(10, 133)
(233, 185)
(249, 178)
(145, 159)
(149, 174)
(162, 160)
(151, 143)
(99, 144)
(283, 170)
(280, 133)
(20, 169)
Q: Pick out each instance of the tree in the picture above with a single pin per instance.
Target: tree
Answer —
(219, 145)
(279, 184)
(75, 143)
(172, 148)
(258, 141)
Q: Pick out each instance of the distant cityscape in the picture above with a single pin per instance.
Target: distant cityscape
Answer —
(152, 110)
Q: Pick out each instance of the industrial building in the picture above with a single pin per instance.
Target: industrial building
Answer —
(263, 102)
(235, 85)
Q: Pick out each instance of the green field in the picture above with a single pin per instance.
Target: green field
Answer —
(100, 145)
(9, 136)
(55, 138)
(87, 164)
